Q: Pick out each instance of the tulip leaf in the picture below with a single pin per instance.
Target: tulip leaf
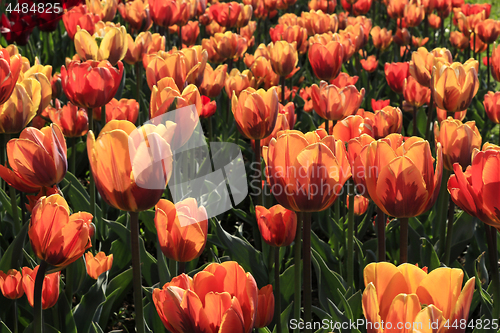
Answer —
(66, 320)
(12, 257)
(287, 284)
(284, 318)
(421, 121)
(329, 282)
(116, 291)
(336, 314)
(153, 319)
(263, 330)
(4, 328)
(463, 231)
(428, 255)
(355, 303)
(323, 250)
(90, 305)
(5, 200)
(481, 275)
(96, 328)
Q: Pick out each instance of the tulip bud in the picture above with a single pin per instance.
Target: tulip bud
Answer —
(97, 265)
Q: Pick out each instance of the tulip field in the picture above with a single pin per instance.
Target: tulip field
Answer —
(199, 166)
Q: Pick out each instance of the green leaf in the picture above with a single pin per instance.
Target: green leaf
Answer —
(88, 308)
(428, 255)
(284, 318)
(153, 319)
(116, 292)
(66, 320)
(330, 283)
(4, 328)
(13, 256)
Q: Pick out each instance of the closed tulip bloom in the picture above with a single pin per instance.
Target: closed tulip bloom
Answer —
(10, 68)
(453, 86)
(98, 265)
(492, 106)
(434, 21)
(213, 80)
(277, 225)
(317, 22)
(190, 33)
(458, 141)
(91, 84)
(223, 296)
(395, 74)
(327, 6)
(333, 103)
(303, 156)
(414, 14)
(291, 33)
(225, 46)
(255, 112)
(136, 13)
(248, 32)
(360, 205)
(50, 289)
(72, 120)
(56, 236)
(237, 82)
(265, 309)
(476, 45)
(124, 109)
(386, 121)
(419, 41)
(42, 74)
(123, 178)
(370, 64)
(379, 104)
(357, 160)
(79, 16)
(106, 9)
(422, 62)
(396, 8)
(381, 38)
(21, 106)
(182, 229)
(459, 40)
(326, 60)
(400, 176)
(415, 95)
(351, 127)
(442, 114)
(225, 14)
(167, 13)
(285, 121)
(11, 284)
(284, 57)
(495, 62)
(209, 107)
(488, 30)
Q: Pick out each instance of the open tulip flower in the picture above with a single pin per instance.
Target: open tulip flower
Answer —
(128, 175)
(415, 94)
(50, 290)
(351, 127)
(454, 85)
(369, 64)
(57, 237)
(334, 103)
(306, 171)
(400, 176)
(222, 298)
(382, 38)
(213, 80)
(72, 120)
(11, 284)
(97, 265)
(182, 229)
(106, 9)
(10, 68)
(405, 298)
(422, 62)
(124, 109)
(225, 46)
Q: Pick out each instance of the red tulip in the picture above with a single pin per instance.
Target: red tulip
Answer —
(265, 310)
(277, 225)
(11, 284)
(50, 289)
(395, 74)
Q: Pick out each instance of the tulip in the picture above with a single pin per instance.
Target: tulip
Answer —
(78, 16)
(492, 106)
(277, 225)
(225, 46)
(495, 62)
(370, 64)
(385, 121)
(225, 287)
(395, 74)
(226, 14)
(419, 41)
(145, 44)
(459, 40)
(121, 177)
(326, 60)
(442, 114)
(476, 45)
(291, 34)
(98, 265)
(165, 96)
(396, 8)
(358, 161)
(488, 30)
(124, 109)
(415, 95)
(91, 84)
(209, 107)
(265, 309)
(351, 127)
(20, 108)
(237, 82)
(137, 14)
(10, 68)
(213, 80)
(393, 165)
(361, 7)
(284, 57)
(434, 21)
(11, 284)
(343, 80)
(414, 14)
(167, 13)
(458, 141)
(327, 6)
(332, 103)
(381, 38)
(72, 120)
(255, 112)
(360, 205)
(106, 9)
(453, 86)
(295, 192)
(248, 32)
(190, 33)
(422, 62)
(42, 74)
(317, 22)
(380, 104)
(50, 290)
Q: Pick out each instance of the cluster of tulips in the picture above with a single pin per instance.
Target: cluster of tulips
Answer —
(354, 134)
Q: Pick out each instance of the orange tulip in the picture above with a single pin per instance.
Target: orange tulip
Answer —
(305, 93)
(284, 57)
(79, 16)
(357, 160)
(442, 114)
(395, 74)
(458, 141)
(495, 62)
(98, 265)
(237, 82)
(106, 9)
(360, 205)
(333, 103)
(225, 46)
(144, 43)
(55, 82)
(248, 31)
(422, 62)
(396, 8)
(167, 13)
(10, 68)
(477, 45)
(72, 120)
(370, 64)
(351, 127)
(277, 225)
(255, 112)
(136, 13)
(393, 165)
(402, 37)
(343, 80)
(434, 21)
(414, 14)
(124, 109)
(488, 30)
(190, 33)
(302, 156)
(50, 289)
(91, 84)
(182, 229)
(453, 86)
(225, 14)
(326, 60)
(492, 106)
(415, 95)
(459, 40)
(55, 236)
(381, 38)
(291, 33)
(222, 298)
(21, 106)
(419, 41)
(213, 80)
(165, 96)
(380, 104)
(285, 121)
(473, 190)
(11, 284)
(385, 121)
(265, 310)
(122, 179)
(317, 22)
(43, 153)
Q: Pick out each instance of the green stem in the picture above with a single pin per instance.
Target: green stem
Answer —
(258, 177)
(488, 64)
(449, 231)
(283, 79)
(38, 317)
(138, 73)
(381, 234)
(415, 133)
(430, 116)
(306, 220)
(491, 238)
(15, 210)
(16, 329)
(69, 285)
(327, 126)
(103, 116)
(441, 217)
(73, 156)
(297, 284)
(92, 180)
(277, 292)
(403, 240)
(337, 220)
(350, 237)
(172, 268)
(136, 271)
(182, 267)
